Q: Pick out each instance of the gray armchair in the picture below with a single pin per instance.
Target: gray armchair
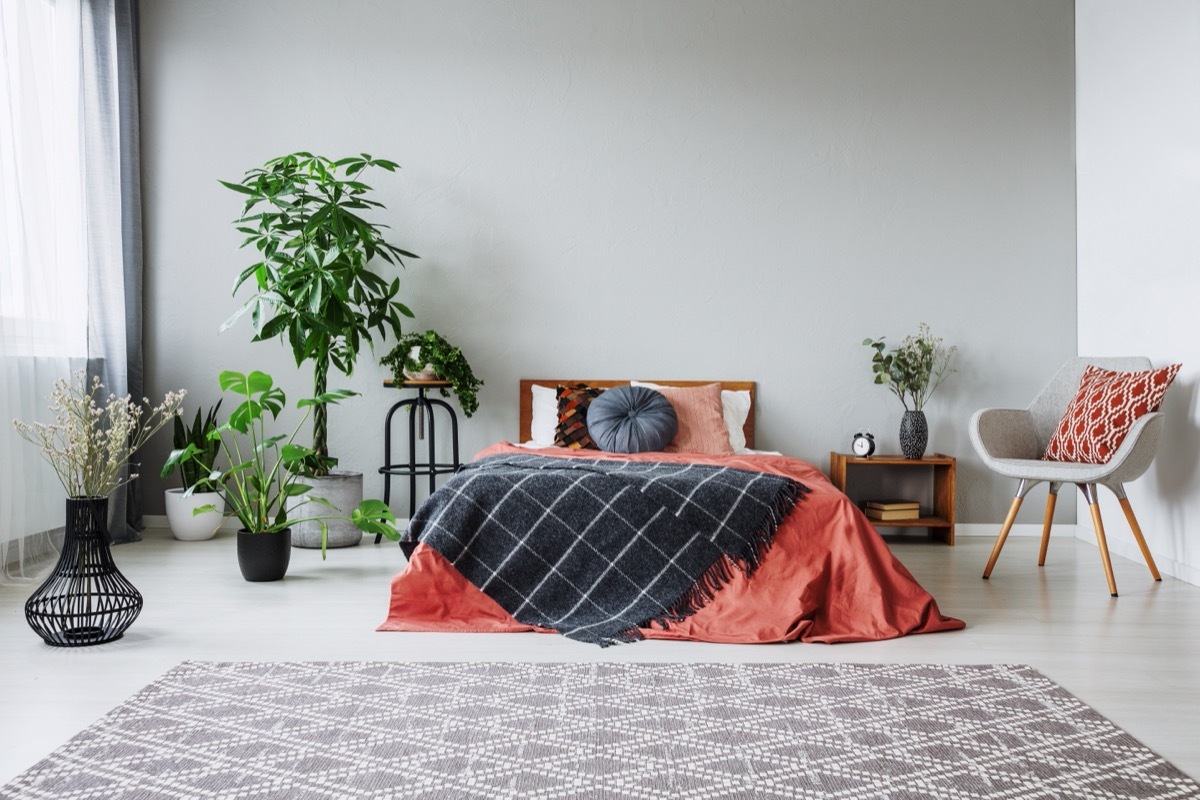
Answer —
(1011, 443)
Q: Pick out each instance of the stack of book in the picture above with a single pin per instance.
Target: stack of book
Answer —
(892, 510)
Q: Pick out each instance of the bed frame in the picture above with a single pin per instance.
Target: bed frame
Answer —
(526, 399)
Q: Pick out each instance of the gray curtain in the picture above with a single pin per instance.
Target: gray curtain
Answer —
(114, 212)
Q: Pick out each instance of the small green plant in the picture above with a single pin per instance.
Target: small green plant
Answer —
(915, 369)
(444, 358)
(260, 487)
(195, 477)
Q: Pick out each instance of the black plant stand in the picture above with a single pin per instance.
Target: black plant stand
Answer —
(86, 600)
(421, 425)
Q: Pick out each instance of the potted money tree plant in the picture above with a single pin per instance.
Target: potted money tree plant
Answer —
(314, 286)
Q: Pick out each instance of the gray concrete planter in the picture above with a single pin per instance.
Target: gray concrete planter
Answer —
(345, 490)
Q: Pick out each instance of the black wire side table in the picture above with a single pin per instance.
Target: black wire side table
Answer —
(422, 425)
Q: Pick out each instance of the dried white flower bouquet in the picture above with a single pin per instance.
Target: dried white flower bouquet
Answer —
(89, 445)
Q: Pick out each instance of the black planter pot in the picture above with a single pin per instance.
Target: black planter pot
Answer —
(86, 600)
(914, 434)
(264, 556)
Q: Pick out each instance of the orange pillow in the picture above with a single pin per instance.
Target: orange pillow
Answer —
(1104, 409)
(701, 420)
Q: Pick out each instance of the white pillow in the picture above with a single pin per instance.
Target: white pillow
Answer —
(544, 418)
(735, 408)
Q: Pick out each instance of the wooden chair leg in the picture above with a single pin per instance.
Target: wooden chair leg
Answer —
(1102, 542)
(1047, 521)
(1008, 523)
(1141, 540)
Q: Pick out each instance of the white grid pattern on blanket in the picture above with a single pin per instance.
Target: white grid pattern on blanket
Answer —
(579, 530)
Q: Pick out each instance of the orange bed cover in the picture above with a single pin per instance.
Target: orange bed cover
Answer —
(828, 577)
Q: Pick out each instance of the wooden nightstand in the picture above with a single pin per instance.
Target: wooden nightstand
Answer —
(864, 479)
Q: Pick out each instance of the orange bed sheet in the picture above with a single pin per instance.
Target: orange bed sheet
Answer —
(828, 577)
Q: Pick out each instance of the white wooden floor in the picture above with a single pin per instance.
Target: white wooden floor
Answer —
(1135, 659)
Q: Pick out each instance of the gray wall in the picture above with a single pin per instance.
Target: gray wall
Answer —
(693, 189)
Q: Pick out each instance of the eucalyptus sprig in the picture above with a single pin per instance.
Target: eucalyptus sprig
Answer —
(914, 370)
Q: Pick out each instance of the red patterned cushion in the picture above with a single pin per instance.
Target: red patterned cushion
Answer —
(1104, 409)
(571, 431)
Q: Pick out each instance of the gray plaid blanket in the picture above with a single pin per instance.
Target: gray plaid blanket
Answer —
(596, 549)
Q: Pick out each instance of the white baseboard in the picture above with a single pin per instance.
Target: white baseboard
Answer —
(1129, 549)
(986, 529)
(960, 529)
(230, 525)
(991, 530)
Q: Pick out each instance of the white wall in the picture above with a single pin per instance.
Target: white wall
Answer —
(1138, 119)
(676, 189)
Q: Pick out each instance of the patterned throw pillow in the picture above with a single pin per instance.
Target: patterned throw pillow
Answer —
(1104, 409)
(571, 431)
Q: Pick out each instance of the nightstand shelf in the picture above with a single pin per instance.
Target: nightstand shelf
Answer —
(864, 479)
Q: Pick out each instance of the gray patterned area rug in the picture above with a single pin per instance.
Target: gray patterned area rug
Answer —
(520, 730)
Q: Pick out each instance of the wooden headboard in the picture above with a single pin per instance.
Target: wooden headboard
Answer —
(526, 401)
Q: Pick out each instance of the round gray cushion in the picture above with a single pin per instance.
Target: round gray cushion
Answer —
(631, 419)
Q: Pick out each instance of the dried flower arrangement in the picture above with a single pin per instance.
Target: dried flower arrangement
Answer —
(89, 444)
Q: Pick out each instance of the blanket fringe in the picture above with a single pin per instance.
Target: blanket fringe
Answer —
(627, 636)
(720, 572)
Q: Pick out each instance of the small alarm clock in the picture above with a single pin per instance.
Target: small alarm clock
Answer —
(863, 444)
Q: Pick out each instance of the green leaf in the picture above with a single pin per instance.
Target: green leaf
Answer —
(270, 442)
(273, 401)
(227, 324)
(230, 380)
(245, 415)
(237, 187)
(259, 382)
(292, 453)
(176, 458)
(274, 328)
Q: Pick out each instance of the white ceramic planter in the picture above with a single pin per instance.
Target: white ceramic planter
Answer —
(189, 527)
(425, 374)
(345, 491)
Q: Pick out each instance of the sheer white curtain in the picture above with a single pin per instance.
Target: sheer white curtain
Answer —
(62, 241)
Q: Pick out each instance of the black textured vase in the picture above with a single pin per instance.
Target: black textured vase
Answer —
(914, 434)
(86, 600)
(264, 556)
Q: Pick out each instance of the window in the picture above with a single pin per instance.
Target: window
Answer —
(43, 247)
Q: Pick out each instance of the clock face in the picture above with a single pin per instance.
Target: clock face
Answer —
(864, 445)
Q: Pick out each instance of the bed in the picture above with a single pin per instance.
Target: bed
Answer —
(823, 575)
